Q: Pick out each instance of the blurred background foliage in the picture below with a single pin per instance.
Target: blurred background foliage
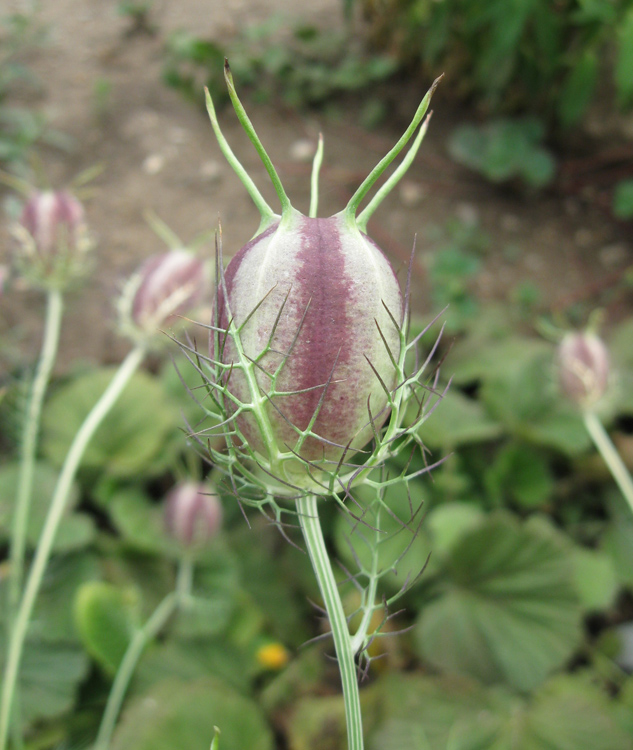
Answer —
(519, 632)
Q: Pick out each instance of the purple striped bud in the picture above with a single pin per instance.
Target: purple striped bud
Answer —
(583, 368)
(321, 309)
(164, 288)
(53, 239)
(193, 514)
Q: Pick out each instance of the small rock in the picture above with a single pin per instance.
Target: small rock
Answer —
(153, 164)
(510, 223)
(302, 150)
(211, 170)
(467, 213)
(412, 193)
(613, 255)
(583, 237)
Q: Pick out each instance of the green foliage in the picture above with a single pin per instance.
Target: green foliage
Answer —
(526, 55)
(134, 437)
(504, 150)
(309, 69)
(508, 611)
(183, 715)
(623, 199)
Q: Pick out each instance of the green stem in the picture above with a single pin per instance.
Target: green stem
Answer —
(137, 645)
(49, 531)
(311, 527)
(610, 455)
(355, 201)
(244, 119)
(47, 358)
(314, 181)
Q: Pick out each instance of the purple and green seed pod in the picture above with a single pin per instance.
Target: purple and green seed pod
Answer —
(307, 338)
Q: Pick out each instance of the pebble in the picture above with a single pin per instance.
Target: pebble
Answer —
(510, 223)
(613, 255)
(153, 164)
(468, 213)
(302, 150)
(211, 170)
(412, 193)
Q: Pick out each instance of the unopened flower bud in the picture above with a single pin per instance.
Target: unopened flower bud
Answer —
(583, 368)
(164, 288)
(193, 514)
(52, 240)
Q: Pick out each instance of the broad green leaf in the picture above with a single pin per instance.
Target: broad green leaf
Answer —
(578, 89)
(106, 618)
(459, 420)
(624, 62)
(595, 578)
(76, 530)
(183, 715)
(566, 713)
(50, 676)
(508, 612)
(522, 474)
(623, 198)
(131, 438)
(448, 522)
(617, 541)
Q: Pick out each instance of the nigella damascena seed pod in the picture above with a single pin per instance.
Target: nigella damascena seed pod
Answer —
(193, 514)
(164, 288)
(307, 347)
(52, 239)
(583, 368)
(319, 306)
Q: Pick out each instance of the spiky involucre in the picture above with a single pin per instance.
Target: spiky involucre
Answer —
(318, 307)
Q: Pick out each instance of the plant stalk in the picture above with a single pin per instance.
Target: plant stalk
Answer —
(30, 435)
(135, 649)
(43, 551)
(311, 527)
(609, 453)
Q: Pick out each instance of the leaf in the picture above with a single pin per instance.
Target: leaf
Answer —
(459, 420)
(578, 89)
(624, 62)
(76, 530)
(106, 618)
(521, 473)
(447, 524)
(131, 438)
(595, 578)
(623, 198)
(509, 611)
(183, 715)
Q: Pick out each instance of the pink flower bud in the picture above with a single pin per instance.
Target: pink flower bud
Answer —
(583, 368)
(193, 515)
(320, 309)
(165, 287)
(53, 239)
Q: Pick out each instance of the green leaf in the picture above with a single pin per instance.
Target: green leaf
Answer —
(578, 90)
(131, 438)
(595, 578)
(623, 198)
(447, 524)
(624, 62)
(76, 530)
(183, 715)
(521, 473)
(106, 618)
(508, 612)
(459, 420)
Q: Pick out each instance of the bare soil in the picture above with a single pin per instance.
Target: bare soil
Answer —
(103, 88)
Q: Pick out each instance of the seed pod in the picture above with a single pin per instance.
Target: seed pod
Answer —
(52, 240)
(165, 287)
(309, 328)
(583, 368)
(193, 514)
(324, 335)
